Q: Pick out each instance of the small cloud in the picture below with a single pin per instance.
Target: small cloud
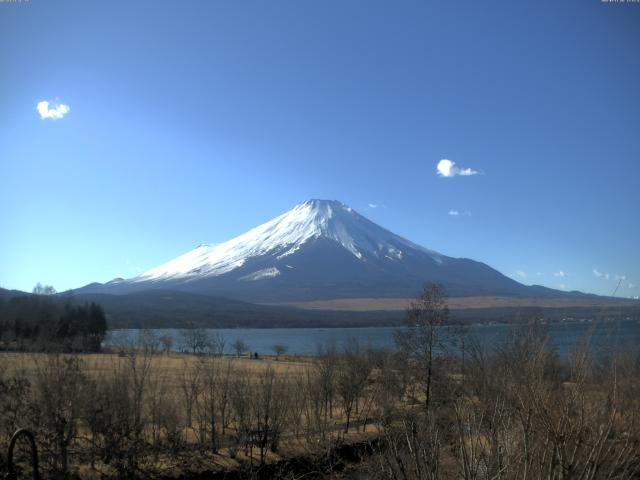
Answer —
(373, 205)
(560, 274)
(604, 276)
(632, 285)
(620, 277)
(458, 213)
(521, 274)
(52, 109)
(447, 168)
(563, 286)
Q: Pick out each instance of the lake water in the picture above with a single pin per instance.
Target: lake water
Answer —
(304, 341)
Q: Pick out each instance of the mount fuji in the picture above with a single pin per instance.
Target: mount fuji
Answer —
(319, 250)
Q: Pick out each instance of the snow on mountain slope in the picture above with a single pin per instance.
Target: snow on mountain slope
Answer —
(318, 250)
(283, 236)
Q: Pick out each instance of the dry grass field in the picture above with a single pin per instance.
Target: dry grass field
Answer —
(179, 397)
(457, 303)
(171, 365)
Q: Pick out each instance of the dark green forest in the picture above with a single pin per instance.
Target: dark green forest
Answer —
(47, 322)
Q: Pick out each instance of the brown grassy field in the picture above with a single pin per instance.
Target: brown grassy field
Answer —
(457, 303)
(167, 378)
(171, 365)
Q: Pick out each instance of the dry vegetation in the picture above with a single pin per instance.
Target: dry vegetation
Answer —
(513, 411)
(459, 303)
(140, 413)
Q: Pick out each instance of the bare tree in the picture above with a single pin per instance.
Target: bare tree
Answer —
(115, 412)
(217, 343)
(240, 347)
(327, 364)
(423, 335)
(240, 402)
(353, 372)
(40, 289)
(279, 349)
(167, 342)
(58, 389)
(15, 390)
(148, 341)
(207, 403)
(190, 388)
(195, 339)
(269, 401)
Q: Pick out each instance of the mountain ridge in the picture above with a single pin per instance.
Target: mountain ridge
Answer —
(320, 250)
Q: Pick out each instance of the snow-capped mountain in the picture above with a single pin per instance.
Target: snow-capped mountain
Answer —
(284, 236)
(319, 249)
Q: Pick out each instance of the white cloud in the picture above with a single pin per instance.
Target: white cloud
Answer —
(447, 168)
(620, 277)
(458, 213)
(604, 276)
(561, 274)
(521, 274)
(563, 286)
(52, 109)
(632, 285)
(373, 205)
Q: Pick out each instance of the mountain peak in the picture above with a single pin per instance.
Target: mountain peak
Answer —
(286, 234)
(322, 209)
(318, 249)
(320, 203)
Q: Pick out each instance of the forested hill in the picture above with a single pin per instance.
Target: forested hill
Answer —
(171, 309)
(45, 322)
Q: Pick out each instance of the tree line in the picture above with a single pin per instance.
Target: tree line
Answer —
(44, 320)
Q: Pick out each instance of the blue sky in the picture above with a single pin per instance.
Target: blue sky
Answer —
(191, 122)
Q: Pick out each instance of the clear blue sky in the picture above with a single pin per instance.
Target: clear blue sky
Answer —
(191, 122)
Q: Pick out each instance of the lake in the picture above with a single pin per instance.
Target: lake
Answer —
(304, 341)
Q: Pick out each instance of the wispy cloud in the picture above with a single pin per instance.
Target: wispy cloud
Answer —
(563, 286)
(447, 168)
(521, 274)
(458, 213)
(604, 276)
(620, 277)
(377, 205)
(560, 274)
(53, 110)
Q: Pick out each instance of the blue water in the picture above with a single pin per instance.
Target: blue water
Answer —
(565, 336)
